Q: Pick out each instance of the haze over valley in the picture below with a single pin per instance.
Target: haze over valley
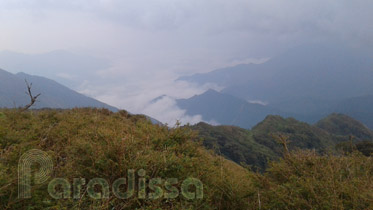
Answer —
(186, 104)
(126, 53)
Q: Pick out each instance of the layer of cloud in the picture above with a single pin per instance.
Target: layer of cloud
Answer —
(167, 111)
(149, 43)
(138, 97)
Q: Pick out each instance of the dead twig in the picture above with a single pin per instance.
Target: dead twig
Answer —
(32, 98)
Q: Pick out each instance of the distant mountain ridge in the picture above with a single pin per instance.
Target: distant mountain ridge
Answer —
(226, 109)
(308, 82)
(63, 66)
(53, 94)
(318, 71)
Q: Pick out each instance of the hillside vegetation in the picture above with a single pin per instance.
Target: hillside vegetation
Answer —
(236, 144)
(256, 146)
(96, 143)
(343, 125)
(305, 180)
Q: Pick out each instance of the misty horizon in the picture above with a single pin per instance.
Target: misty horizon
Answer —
(126, 53)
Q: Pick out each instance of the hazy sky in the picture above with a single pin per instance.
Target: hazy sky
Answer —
(150, 43)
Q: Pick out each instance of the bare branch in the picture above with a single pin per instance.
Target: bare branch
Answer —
(32, 98)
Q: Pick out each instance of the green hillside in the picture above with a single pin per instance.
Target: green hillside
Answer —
(85, 144)
(300, 134)
(340, 124)
(96, 143)
(258, 145)
(235, 143)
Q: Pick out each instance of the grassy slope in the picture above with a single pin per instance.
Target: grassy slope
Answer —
(93, 143)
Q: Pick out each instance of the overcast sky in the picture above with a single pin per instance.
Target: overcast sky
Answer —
(149, 43)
